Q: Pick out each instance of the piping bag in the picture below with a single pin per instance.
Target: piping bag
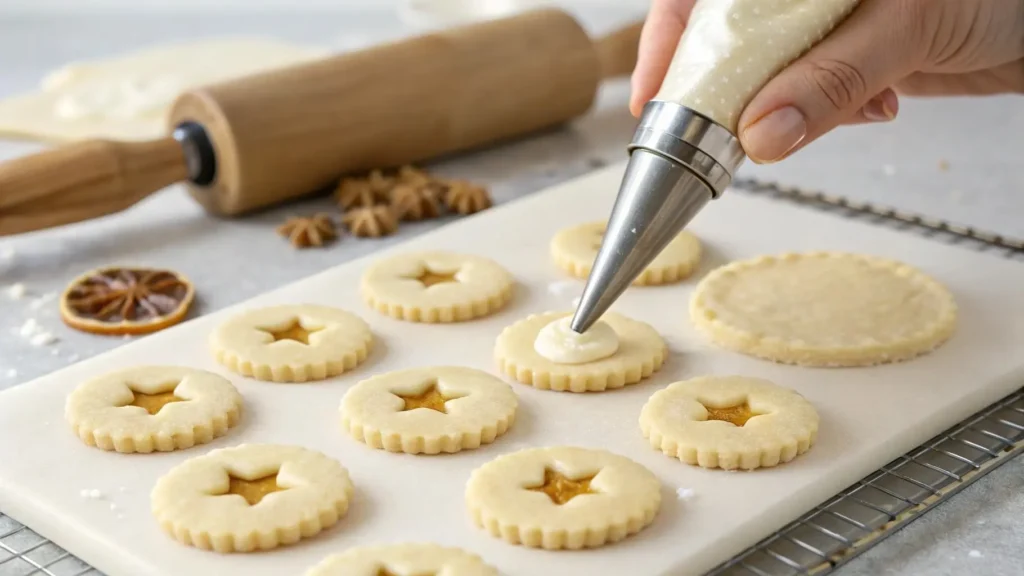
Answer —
(685, 150)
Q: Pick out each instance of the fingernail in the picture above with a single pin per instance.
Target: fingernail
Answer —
(774, 135)
(882, 108)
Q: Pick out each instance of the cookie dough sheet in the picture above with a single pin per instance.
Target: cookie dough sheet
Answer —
(96, 504)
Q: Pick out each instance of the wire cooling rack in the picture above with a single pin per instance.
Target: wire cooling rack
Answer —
(831, 534)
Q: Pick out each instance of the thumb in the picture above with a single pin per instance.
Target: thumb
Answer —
(879, 44)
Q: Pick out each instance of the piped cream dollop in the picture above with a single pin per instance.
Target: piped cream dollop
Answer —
(560, 344)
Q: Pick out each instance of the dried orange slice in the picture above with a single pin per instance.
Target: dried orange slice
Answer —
(126, 300)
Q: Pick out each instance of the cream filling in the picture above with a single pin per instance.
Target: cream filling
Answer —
(560, 344)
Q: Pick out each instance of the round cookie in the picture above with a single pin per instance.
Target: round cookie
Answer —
(429, 410)
(826, 309)
(412, 558)
(641, 352)
(292, 343)
(562, 497)
(729, 422)
(251, 497)
(575, 249)
(153, 408)
(436, 287)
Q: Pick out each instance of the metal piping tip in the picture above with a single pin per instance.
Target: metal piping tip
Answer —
(657, 199)
(679, 161)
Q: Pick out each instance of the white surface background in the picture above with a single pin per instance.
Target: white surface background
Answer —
(869, 416)
(894, 164)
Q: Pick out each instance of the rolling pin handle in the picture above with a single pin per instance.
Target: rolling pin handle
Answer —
(200, 158)
(84, 180)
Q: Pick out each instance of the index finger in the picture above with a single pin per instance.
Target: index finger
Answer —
(658, 40)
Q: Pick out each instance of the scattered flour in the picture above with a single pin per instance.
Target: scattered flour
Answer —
(12, 373)
(974, 554)
(43, 339)
(29, 328)
(17, 291)
(92, 494)
(564, 288)
(889, 170)
(685, 493)
(42, 300)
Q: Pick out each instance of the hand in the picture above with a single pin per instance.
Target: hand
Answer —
(884, 48)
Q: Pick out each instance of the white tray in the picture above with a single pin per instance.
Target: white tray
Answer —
(868, 416)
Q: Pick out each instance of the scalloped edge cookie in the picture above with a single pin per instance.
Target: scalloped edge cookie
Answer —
(404, 558)
(626, 500)
(185, 505)
(390, 287)
(483, 408)
(243, 344)
(708, 318)
(641, 353)
(100, 412)
(572, 251)
(676, 421)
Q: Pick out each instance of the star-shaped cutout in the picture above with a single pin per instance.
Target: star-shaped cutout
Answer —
(254, 491)
(153, 403)
(736, 415)
(431, 398)
(430, 278)
(560, 488)
(294, 331)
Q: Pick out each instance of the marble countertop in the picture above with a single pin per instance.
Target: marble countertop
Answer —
(982, 141)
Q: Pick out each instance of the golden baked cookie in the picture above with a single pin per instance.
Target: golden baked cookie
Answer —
(153, 408)
(562, 497)
(292, 343)
(414, 559)
(639, 351)
(429, 410)
(729, 422)
(574, 250)
(825, 309)
(436, 287)
(251, 497)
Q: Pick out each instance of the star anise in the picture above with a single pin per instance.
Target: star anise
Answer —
(371, 222)
(416, 202)
(304, 232)
(466, 198)
(126, 300)
(357, 193)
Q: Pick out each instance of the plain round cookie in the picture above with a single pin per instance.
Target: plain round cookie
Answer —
(205, 501)
(826, 309)
(401, 411)
(641, 352)
(729, 422)
(292, 343)
(410, 558)
(574, 250)
(562, 497)
(153, 409)
(436, 287)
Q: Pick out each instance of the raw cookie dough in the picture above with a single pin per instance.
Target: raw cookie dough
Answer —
(251, 497)
(641, 352)
(153, 408)
(412, 559)
(562, 497)
(436, 287)
(824, 309)
(729, 422)
(575, 249)
(429, 410)
(128, 97)
(292, 343)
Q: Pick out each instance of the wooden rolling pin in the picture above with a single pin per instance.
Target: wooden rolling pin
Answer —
(264, 139)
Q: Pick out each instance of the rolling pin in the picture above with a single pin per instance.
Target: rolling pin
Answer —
(265, 139)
